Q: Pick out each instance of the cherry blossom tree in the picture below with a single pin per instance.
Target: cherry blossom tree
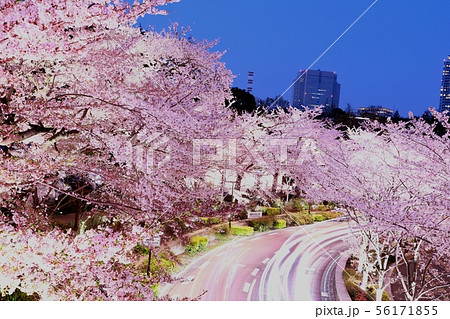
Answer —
(95, 265)
(98, 111)
(392, 180)
(86, 94)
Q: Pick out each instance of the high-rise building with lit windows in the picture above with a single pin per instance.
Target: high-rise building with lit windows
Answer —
(314, 88)
(444, 103)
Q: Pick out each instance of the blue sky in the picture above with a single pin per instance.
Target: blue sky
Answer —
(392, 57)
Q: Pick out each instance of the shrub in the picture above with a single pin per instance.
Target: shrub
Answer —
(350, 277)
(18, 295)
(385, 296)
(262, 209)
(141, 250)
(196, 244)
(222, 229)
(242, 214)
(322, 207)
(168, 265)
(211, 220)
(277, 203)
(94, 221)
(296, 205)
(242, 230)
(161, 264)
(318, 218)
(280, 223)
(261, 224)
(155, 289)
(330, 215)
(167, 261)
(371, 290)
(273, 211)
(301, 219)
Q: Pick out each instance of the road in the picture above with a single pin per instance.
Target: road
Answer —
(296, 263)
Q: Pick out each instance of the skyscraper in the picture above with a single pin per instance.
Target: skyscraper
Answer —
(316, 88)
(444, 103)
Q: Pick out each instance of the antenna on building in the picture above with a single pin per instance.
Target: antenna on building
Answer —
(250, 82)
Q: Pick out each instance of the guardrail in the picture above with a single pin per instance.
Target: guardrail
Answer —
(341, 290)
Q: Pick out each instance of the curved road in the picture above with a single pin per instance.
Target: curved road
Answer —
(296, 263)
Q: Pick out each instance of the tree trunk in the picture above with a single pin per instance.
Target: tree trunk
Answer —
(238, 182)
(76, 224)
(275, 182)
(380, 287)
(365, 279)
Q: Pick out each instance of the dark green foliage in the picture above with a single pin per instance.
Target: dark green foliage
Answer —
(18, 295)
(196, 244)
(296, 205)
(279, 224)
(318, 217)
(261, 224)
(300, 219)
(373, 293)
(242, 230)
(211, 220)
(141, 250)
(223, 229)
(330, 215)
(162, 263)
(351, 278)
(273, 211)
(262, 209)
(242, 101)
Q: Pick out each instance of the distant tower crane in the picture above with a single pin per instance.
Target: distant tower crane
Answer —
(250, 82)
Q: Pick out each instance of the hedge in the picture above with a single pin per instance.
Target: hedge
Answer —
(197, 243)
(261, 224)
(211, 220)
(242, 230)
(272, 211)
(330, 215)
(351, 277)
(318, 218)
(279, 224)
(262, 209)
(296, 204)
(301, 219)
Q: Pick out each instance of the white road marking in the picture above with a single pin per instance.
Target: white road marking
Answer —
(324, 294)
(256, 238)
(246, 287)
(249, 297)
(271, 234)
(241, 265)
(220, 254)
(255, 272)
(206, 263)
(266, 260)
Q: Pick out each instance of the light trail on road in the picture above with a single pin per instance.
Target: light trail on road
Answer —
(295, 263)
